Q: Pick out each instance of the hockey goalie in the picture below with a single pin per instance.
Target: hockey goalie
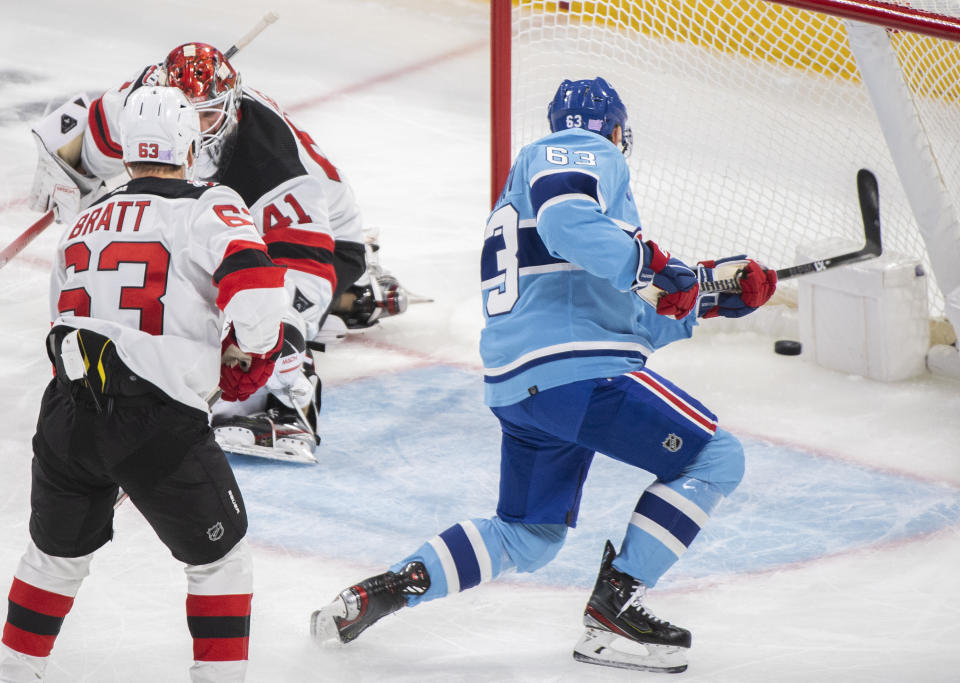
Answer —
(299, 201)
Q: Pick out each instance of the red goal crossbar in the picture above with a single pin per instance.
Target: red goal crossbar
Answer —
(893, 16)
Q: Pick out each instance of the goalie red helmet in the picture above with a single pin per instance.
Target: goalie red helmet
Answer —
(211, 84)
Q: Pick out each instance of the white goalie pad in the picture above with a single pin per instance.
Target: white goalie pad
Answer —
(599, 646)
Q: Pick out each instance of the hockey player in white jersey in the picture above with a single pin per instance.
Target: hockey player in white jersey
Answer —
(566, 280)
(300, 201)
(141, 284)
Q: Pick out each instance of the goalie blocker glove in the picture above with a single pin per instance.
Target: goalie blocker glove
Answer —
(239, 380)
(676, 281)
(757, 285)
(58, 185)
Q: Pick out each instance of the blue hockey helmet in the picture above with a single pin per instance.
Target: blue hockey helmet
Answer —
(591, 104)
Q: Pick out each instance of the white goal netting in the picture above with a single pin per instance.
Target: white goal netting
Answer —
(750, 119)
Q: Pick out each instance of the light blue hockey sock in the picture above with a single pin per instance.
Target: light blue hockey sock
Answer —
(669, 515)
(478, 550)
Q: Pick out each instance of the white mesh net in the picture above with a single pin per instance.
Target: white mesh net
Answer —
(749, 118)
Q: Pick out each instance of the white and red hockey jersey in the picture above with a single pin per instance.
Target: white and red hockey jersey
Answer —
(298, 199)
(155, 266)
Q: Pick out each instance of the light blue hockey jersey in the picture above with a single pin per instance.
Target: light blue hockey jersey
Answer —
(557, 264)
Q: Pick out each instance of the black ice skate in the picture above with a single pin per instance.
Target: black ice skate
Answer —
(270, 434)
(362, 605)
(621, 632)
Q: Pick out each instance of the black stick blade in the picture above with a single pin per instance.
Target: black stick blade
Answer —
(869, 195)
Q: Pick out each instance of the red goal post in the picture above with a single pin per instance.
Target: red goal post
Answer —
(751, 117)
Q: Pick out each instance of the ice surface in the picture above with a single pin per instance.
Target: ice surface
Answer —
(836, 559)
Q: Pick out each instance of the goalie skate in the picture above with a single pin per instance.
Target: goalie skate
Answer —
(265, 435)
(621, 632)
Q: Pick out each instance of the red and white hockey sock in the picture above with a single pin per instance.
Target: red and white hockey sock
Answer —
(42, 594)
(218, 615)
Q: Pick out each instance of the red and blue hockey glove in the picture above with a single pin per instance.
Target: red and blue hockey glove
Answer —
(674, 284)
(243, 373)
(757, 285)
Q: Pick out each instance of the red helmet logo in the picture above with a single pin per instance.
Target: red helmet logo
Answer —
(200, 71)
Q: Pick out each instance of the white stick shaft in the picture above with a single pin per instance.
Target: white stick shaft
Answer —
(246, 39)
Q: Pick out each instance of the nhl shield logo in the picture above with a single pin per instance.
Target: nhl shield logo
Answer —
(215, 533)
(672, 443)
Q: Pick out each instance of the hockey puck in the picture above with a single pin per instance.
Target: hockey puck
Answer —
(787, 347)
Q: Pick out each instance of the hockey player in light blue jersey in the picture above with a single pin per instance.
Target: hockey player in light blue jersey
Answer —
(567, 285)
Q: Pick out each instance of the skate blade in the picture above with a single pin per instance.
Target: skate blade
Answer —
(284, 454)
(604, 648)
(323, 627)
(417, 298)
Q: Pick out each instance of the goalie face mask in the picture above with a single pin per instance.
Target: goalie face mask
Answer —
(211, 84)
(593, 105)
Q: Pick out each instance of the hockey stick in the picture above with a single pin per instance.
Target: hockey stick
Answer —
(869, 196)
(246, 39)
(25, 238)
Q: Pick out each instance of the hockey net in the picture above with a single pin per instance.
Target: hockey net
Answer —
(750, 118)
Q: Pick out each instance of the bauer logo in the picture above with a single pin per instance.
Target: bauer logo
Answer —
(672, 443)
(215, 533)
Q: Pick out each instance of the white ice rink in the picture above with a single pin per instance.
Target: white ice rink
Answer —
(836, 560)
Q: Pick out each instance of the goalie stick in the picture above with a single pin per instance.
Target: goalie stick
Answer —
(869, 196)
(25, 238)
(28, 235)
(246, 39)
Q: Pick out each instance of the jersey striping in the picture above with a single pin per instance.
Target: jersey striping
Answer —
(559, 258)
(154, 266)
(280, 173)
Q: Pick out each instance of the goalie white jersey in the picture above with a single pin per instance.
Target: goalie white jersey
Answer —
(154, 266)
(299, 200)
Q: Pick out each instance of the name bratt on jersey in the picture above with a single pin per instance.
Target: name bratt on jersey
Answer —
(104, 218)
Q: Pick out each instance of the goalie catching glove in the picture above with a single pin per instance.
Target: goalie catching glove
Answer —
(757, 285)
(241, 373)
(674, 287)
